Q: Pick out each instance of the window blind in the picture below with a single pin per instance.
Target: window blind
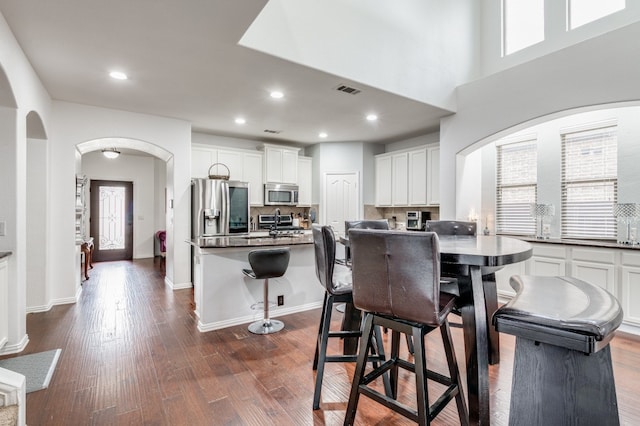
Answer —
(516, 167)
(589, 183)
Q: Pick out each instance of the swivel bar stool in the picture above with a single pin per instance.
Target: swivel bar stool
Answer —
(265, 264)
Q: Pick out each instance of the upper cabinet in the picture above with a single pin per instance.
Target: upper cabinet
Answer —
(280, 164)
(304, 181)
(408, 177)
(243, 165)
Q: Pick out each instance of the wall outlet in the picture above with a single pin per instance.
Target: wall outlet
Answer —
(280, 300)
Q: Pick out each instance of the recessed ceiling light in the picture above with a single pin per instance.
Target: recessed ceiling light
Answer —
(372, 117)
(277, 95)
(118, 75)
(322, 135)
(240, 120)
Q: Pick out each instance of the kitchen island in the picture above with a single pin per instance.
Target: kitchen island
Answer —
(224, 296)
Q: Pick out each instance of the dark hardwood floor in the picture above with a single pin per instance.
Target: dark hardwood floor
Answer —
(132, 355)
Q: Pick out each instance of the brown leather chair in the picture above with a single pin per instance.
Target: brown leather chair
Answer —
(336, 279)
(396, 282)
(461, 273)
(361, 224)
(451, 227)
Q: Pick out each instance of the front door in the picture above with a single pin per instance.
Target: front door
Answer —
(112, 220)
(342, 199)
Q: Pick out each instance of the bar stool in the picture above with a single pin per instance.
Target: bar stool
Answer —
(265, 264)
(396, 282)
(336, 280)
(463, 228)
(562, 371)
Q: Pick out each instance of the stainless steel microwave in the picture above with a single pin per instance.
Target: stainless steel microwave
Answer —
(279, 194)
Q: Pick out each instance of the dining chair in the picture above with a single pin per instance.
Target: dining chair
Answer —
(336, 280)
(361, 224)
(458, 274)
(396, 283)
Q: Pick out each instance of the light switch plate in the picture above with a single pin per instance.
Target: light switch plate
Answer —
(3, 228)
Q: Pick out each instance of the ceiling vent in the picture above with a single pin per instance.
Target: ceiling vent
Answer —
(273, 132)
(347, 89)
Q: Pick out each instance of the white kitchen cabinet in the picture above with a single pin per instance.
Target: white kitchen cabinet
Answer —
(417, 177)
(4, 301)
(596, 266)
(304, 181)
(548, 260)
(201, 159)
(400, 179)
(252, 164)
(280, 164)
(408, 178)
(244, 165)
(630, 286)
(433, 178)
(233, 160)
(383, 180)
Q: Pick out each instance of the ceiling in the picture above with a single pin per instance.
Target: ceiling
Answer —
(183, 61)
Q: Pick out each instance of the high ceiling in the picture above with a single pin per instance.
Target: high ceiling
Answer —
(184, 61)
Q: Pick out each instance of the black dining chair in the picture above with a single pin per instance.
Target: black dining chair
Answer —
(361, 224)
(336, 280)
(396, 283)
(458, 274)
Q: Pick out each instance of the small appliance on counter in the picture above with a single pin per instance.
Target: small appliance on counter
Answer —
(219, 207)
(416, 220)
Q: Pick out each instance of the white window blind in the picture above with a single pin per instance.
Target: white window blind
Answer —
(589, 183)
(517, 179)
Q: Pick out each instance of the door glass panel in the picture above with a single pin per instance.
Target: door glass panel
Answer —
(112, 218)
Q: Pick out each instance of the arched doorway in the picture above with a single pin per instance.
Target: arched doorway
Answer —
(144, 166)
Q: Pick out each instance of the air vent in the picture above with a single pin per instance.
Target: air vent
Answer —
(274, 132)
(347, 89)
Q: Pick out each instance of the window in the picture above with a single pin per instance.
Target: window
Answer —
(516, 187)
(522, 24)
(589, 183)
(580, 12)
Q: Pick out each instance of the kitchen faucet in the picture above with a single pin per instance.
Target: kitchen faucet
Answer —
(273, 231)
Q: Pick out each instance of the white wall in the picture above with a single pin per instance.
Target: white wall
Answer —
(421, 50)
(141, 171)
(24, 91)
(76, 124)
(597, 71)
(556, 36)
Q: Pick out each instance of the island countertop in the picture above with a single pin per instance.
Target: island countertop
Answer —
(253, 240)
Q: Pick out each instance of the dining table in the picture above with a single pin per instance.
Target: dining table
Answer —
(473, 260)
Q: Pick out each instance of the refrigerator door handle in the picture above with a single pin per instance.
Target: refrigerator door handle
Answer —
(224, 223)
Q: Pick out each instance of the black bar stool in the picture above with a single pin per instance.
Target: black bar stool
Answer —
(265, 264)
(562, 371)
(336, 280)
(396, 281)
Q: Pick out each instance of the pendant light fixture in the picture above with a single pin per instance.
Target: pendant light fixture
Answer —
(110, 153)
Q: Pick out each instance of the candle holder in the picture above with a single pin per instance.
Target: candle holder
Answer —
(628, 215)
(542, 212)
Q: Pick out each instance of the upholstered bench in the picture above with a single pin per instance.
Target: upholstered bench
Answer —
(562, 372)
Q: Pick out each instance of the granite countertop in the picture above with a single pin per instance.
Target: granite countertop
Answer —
(4, 254)
(584, 243)
(253, 240)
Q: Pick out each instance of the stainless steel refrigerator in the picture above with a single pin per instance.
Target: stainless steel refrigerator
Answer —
(219, 207)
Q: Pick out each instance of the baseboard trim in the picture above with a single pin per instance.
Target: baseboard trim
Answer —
(181, 286)
(203, 328)
(41, 308)
(15, 347)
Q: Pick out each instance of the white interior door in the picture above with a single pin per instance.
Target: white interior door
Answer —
(341, 199)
